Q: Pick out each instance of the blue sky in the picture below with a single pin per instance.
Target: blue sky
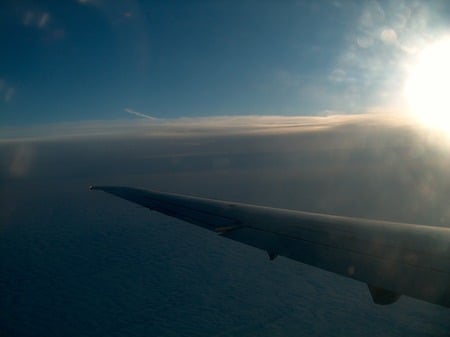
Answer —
(92, 59)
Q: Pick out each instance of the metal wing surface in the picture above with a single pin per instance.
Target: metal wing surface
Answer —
(392, 258)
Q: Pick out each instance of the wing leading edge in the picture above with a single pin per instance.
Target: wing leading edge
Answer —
(392, 258)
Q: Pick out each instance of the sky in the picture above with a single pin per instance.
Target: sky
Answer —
(93, 59)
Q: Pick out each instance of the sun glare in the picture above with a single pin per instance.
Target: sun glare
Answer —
(427, 89)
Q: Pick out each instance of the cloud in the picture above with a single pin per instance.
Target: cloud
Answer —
(36, 19)
(337, 75)
(127, 15)
(21, 161)
(28, 18)
(388, 36)
(9, 94)
(43, 20)
(7, 91)
(351, 165)
(218, 125)
(139, 114)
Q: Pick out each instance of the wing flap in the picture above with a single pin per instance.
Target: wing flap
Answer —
(400, 278)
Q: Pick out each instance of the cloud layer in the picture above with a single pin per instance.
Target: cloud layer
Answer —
(367, 165)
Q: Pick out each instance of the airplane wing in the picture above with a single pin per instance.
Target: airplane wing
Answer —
(392, 258)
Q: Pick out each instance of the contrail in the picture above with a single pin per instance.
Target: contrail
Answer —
(139, 114)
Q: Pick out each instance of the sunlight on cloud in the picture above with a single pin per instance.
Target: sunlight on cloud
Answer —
(218, 125)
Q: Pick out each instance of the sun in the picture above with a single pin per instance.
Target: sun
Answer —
(427, 89)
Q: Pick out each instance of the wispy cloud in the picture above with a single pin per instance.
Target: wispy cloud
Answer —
(28, 18)
(139, 114)
(43, 20)
(7, 91)
(39, 19)
(9, 94)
